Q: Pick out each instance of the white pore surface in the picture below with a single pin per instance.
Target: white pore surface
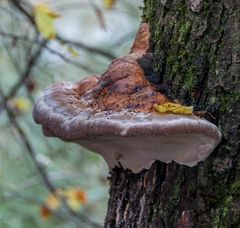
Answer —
(139, 152)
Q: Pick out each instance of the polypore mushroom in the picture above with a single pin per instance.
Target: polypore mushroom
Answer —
(114, 116)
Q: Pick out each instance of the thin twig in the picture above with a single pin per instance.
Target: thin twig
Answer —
(30, 149)
(17, 37)
(46, 180)
(17, 4)
(7, 197)
(24, 75)
(27, 144)
(86, 48)
(28, 69)
(51, 50)
(77, 64)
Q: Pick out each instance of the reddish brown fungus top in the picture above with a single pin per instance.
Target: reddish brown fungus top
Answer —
(123, 86)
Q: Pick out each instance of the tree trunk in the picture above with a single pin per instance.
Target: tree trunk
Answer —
(196, 60)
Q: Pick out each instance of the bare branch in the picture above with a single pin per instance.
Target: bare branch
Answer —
(31, 62)
(28, 69)
(86, 48)
(27, 144)
(80, 65)
(51, 50)
(17, 4)
(46, 180)
(17, 37)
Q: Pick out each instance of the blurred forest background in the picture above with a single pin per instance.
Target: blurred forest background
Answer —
(45, 182)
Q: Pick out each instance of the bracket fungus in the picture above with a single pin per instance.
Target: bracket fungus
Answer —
(114, 115)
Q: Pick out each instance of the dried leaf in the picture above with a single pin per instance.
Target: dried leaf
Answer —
(44, 18)
(53, 201)
(109, 3)
(21, 104)
(45, 213)
(73, 52)
(74, 197)
(174, 108)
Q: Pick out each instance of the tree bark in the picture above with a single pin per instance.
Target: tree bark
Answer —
(196, 60)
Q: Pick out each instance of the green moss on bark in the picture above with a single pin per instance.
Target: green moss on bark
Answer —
(196, 56)
(189, 52)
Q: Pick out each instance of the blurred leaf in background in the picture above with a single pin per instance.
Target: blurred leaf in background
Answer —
(29, 62)
(109, 3)
(75, 198)
(19, 104)
(45, 18)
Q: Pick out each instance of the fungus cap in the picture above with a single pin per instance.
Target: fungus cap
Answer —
(132, 139)
(114, 116)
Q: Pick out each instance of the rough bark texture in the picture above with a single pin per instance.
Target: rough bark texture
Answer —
(196, 59)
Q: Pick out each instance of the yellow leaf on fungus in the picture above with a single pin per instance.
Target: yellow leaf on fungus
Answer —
(109, 3)
(44, 18)
(174, 108)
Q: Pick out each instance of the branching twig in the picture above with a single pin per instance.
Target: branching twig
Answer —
(86, 48)
(16, 37)
(7, 197)
(27, 71)
(17, 4)
(27, 144)
(25, 74)
(66, 59)
(46, 180)
(51, 50)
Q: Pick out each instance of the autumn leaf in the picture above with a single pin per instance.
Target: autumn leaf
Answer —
(53, 201)
(109, 3)
(45, 212)
(44, 18)
(20, 104)
(73, 52)
(174, 108)
(74, 197)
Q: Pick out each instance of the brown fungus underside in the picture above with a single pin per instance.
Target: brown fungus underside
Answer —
(113, 115)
